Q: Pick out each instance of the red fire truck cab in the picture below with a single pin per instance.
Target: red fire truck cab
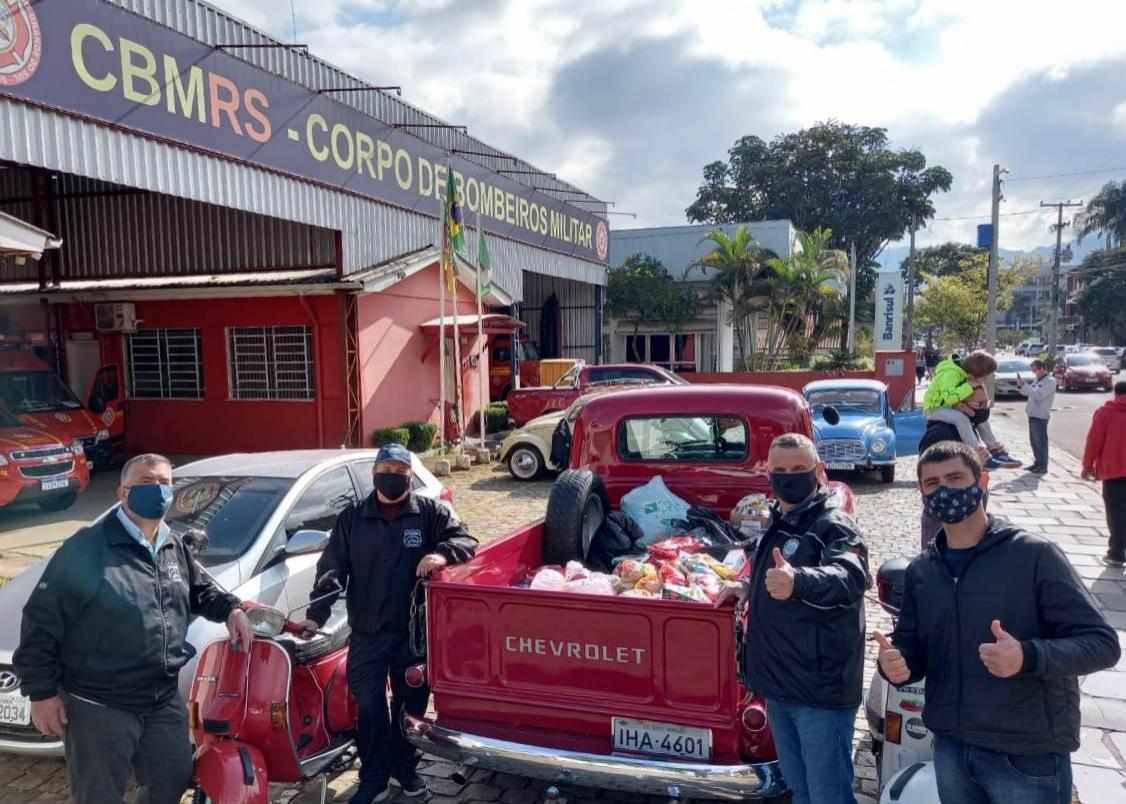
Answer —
(37, 467)
(500, 364)
(614, 693)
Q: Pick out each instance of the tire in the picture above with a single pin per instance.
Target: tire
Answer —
(575, 510)
(200, 797)
(887, 473)
(525, 462)
(58, 502)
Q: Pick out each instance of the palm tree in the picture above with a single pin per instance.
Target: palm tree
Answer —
(812, 275)
(741, 280)
(1105, 215)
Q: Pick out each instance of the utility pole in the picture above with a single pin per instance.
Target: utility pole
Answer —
(909, 330)
(991, 303)
(852, 299)
(1054, 326)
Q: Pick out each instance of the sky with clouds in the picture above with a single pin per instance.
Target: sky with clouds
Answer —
(629, 99)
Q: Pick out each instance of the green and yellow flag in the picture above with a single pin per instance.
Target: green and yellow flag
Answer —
(454, 229)
(484, 266)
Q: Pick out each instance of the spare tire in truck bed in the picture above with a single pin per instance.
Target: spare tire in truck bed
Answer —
(575, 510)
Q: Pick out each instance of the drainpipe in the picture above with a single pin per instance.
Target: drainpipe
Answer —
(318, 397)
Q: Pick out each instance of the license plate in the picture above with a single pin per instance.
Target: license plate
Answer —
(844, 466)
(661, 739)
(15, 709)
(51, 485)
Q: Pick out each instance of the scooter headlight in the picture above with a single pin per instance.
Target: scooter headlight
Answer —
(266, 622)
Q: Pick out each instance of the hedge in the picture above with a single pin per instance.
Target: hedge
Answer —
(496, 417)
(391, 435)
(421, 435)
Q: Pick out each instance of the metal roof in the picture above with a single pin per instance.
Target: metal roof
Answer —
(844, 384)
(677, 247)
(304, 281)
(19, 238)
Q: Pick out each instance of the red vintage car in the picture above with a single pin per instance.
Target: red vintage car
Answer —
(525, 404)
(37, 467)
(613, 693)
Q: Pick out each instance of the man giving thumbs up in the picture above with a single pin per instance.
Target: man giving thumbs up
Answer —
(1000, 624)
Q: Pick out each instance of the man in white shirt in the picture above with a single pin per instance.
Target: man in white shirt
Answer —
(1040, 394)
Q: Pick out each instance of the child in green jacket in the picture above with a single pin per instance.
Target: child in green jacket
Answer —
(955, 382)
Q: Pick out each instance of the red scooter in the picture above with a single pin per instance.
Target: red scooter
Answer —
(278, 712)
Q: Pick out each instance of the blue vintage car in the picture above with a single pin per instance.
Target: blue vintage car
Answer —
(870, 433)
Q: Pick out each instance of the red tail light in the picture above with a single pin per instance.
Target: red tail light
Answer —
(415, 676)
(893, 727)
(447, 495)
(754, 718)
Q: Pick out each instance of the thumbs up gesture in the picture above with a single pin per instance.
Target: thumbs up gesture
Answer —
(1003, 658)
(780, 578)
(891, 660)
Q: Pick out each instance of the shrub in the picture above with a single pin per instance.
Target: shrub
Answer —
(496, 417)
(1049, 360)
(421, 435)
(391, 435)
(840, 359)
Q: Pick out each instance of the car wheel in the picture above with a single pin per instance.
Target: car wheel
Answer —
(887, 474)
(58, 502)
(525, 462)
(575, 510)
(200, 797)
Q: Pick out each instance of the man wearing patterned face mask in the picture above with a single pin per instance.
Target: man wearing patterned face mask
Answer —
(382, 546)
(805, 625)
(103, 640)
(1001, 626)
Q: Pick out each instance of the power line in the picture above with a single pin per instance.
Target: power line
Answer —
(986, 216)
(1063, 175)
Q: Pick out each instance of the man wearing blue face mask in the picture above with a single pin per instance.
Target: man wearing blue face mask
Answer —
(1001, 626)
(103, 639)
(805, 625)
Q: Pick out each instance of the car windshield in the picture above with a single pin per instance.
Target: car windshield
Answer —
(854, 401)
(1014, 366)
(672, 376)
(231, 509)
(35, 392)
(1106, 351)
(683, 438)
(531, 351)
(8, 420)
(1083, 360)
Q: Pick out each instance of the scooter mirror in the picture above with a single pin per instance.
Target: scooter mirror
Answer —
(195, 540)
(329, 583)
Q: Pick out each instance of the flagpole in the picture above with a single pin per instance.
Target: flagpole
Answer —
(442, 322)
(459, 397)
(484, 385)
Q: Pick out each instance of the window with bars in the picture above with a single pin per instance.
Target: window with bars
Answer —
(165, 364)
(273, 363)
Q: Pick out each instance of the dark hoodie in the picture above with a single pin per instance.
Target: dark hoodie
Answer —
(1106, 440)
(1025, 582)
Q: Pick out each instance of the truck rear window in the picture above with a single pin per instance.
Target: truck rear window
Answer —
(683, 438)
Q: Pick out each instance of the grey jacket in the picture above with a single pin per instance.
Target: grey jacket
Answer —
(1041, 394)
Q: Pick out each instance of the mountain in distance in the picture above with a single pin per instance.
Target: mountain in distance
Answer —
(893, 256)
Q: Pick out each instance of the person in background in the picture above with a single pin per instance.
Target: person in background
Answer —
(920, 366)
(1001, 626)
(945, 400)
(104, 636)
(931, 357)
(805, 629)
(1040, 394)
(1104, 458)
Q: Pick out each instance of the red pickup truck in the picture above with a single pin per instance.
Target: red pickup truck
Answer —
(525, 404)
(613, 693)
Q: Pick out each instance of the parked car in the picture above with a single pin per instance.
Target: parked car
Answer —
(1031, 349)
(1111, 357)
(525, 404)
(615, 693)
(1085, 370)
(869, 434)
(250, 504)
(37, 467)
(1005, 380)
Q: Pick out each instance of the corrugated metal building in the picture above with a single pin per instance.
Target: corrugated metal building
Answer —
(239, 201)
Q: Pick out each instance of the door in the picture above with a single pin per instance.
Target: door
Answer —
(909, 426)
(550, 325)
(106, 399)
(83, 357)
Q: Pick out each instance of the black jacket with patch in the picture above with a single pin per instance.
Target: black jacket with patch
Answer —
(809, 649)
(1027, 583)
(379, 558)
(108, 622)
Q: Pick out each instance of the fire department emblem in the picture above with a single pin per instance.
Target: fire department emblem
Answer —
(601, 240)
(107, 417)
(21, 46)
(62, 417)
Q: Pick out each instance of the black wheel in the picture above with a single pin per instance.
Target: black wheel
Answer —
(58, 502)
(887, 473)
(200, 797)
(575, 510)
(525, 462)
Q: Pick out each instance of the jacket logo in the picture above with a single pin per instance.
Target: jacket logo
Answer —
(172, 570)
(790, 548)
(412, 538)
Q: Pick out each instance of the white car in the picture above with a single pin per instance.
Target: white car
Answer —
(251, 505)
(1005, 380)
(1110, 355)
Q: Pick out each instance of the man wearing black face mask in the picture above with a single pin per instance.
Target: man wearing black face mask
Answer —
(382, 546)
(1001, 626)
(805, 626)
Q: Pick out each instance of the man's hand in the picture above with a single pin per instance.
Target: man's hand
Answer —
(780, 578)
(49, 716)
(1002, 658)
(429, 563)
(308, 629)
(1020, 381)
(1088, 474)
(735, 590)
(238, 627)
(891, 660)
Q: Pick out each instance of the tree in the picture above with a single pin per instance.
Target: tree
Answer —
(940, 260)
(641, 291)
(741, 281)
(1105, 215)
(842, 177)
(1101, 304)
(957, 303)
(802, 284)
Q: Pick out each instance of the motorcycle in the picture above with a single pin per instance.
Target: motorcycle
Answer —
(278, 710)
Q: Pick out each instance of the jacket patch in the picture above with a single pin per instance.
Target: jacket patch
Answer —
(412, 537)
(172, 570)
(790, 548)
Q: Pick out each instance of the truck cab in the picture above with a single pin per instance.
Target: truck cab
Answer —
(32, 392)
(614, 693)
(500, 364)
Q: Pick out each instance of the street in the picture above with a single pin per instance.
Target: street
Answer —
(1071, 419)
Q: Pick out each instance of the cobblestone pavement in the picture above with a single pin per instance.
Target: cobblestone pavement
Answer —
(493, 504)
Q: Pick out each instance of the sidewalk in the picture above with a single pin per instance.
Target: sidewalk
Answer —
(1068, 510)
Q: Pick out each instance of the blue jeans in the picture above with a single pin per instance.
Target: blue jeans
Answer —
(815, 751)
(970, 775)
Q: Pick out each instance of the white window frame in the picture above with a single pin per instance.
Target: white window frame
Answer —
(278, 364)
(177, 359)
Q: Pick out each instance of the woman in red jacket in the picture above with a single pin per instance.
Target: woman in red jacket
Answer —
(1105, 459)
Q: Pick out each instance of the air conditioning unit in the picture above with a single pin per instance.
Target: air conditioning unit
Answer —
(115, 317)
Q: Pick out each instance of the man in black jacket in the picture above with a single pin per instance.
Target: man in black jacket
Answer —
(1001, 626)
(382, 546)
(103, 639)
(805, 626)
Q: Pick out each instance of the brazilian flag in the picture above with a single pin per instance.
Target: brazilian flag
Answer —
(455, 224)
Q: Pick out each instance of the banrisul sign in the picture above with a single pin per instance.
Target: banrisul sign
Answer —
(94, 59)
